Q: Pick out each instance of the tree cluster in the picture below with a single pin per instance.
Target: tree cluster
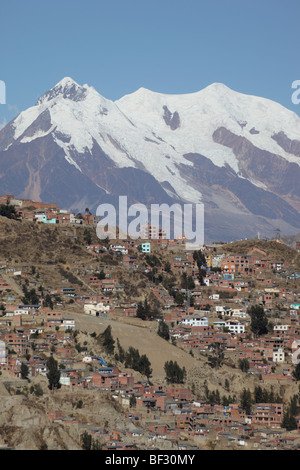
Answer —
(133, 360)
(163, 330)
(259, 321)
(264, 396)
(246, 401)
(215, 359)
(289, 421)
(53, 374)
(244, 364)
(199, 258)
(174, 373)
(9, 211)
(146, 312)
(187, 282)
(107, 341)
(214, 398)
(88, 443)
(30, 296)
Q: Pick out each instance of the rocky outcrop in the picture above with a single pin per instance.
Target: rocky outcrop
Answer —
(272, 171)
(289, 145)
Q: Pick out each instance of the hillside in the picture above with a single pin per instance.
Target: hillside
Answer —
(273, 250)
(51, 257)
(28, 242)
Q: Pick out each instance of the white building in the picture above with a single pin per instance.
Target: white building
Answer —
(281, 328)
(68, 323)
(2, 353)
(239, 313)
(214, 297)
(96, 309)
(278, 355)
(119, 248)
(148, 232)
(21, 311)
(195, 321)
(223, 310)
(216, 261)
(233, 326)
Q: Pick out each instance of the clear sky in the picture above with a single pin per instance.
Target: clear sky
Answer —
(168, 46)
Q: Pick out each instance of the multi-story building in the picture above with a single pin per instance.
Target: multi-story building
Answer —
(278, 355)
(17, 343)
(195, 321)
(2, 352)
(149, 232)
(268, 414)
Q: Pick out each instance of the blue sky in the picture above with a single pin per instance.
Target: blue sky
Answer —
(168, 46)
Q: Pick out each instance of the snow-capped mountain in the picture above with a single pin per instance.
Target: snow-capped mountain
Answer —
(237, 154)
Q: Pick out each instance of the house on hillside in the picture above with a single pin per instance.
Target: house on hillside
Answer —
(96, 309)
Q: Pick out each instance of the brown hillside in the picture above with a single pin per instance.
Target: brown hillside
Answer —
(273, 249)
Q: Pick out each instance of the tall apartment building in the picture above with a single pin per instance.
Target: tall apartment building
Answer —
(152, 232)
(2, 352)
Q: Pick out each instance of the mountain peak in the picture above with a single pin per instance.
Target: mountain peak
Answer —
(67, 88)
(218, 86)
(66, 82)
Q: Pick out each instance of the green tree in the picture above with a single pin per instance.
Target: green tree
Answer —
(48, 302)
(144, 366)
(30, 296)
(244, 365)
(200, 260)
(259, 321)
(9, 211)
(288, 422)
(87, 236)
(86, 441)
(53, 374)
(167, 267)
(246, 401)
(145, 312)
(216, 358)
(289, 417)
(120, 355)
(133, 360)
(179, 298)
(132, 401)
(108, 341)
(296, 372)
(187, 282)
(258, 395)
(163, 330)
(214, 397)
(101, 275)
(24, 370)
(174, 373)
